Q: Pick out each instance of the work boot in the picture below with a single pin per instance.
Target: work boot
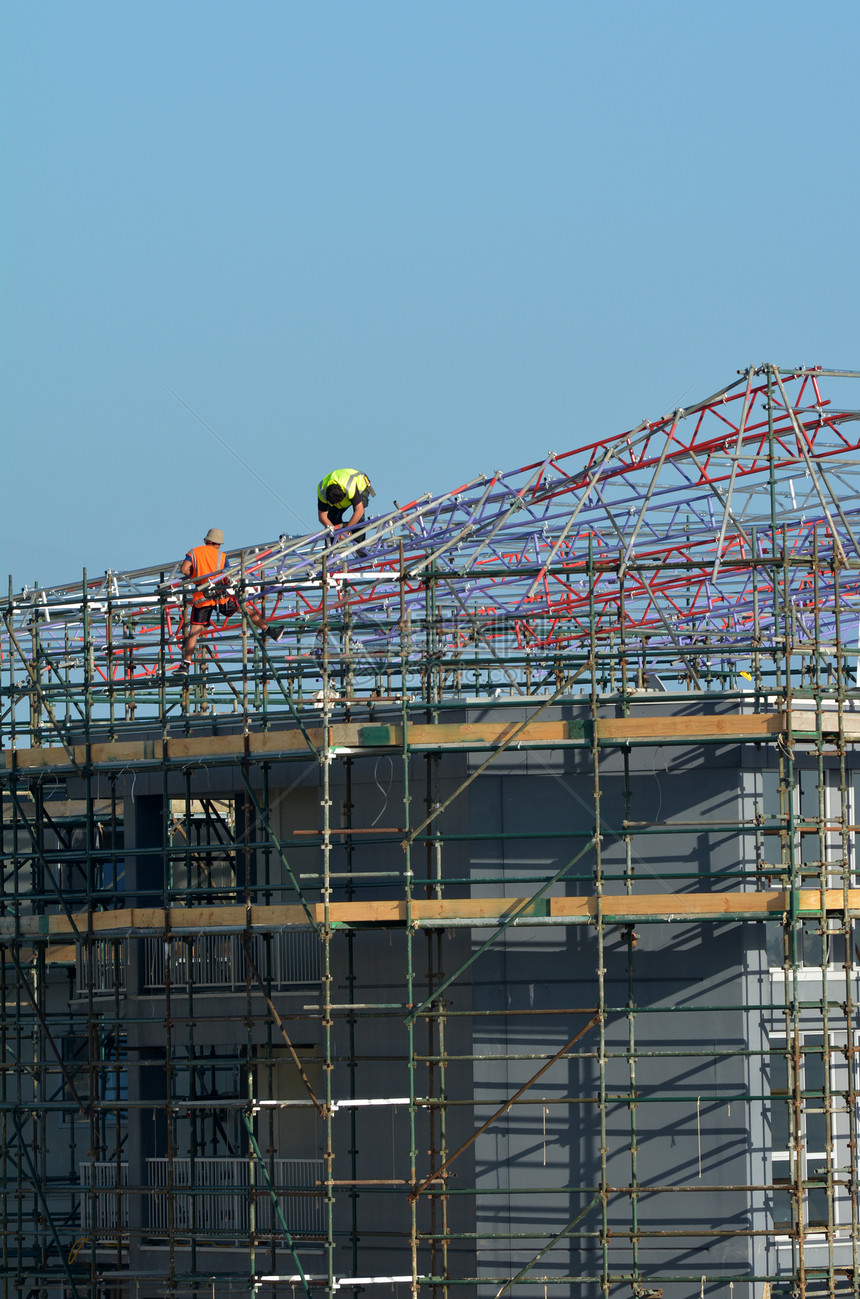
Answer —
(274, 633)
(181, 673)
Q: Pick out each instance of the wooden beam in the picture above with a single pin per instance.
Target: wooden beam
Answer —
(187, 922)
(578, 732)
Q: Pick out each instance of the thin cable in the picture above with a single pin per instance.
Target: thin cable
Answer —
(383, 792)
(676, 405)
(227, 446)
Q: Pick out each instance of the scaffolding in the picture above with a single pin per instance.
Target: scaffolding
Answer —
(492, 928)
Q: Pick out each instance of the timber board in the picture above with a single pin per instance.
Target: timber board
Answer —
(616, 908)
(347, 736)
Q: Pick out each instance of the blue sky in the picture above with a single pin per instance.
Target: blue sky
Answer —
(425, 240)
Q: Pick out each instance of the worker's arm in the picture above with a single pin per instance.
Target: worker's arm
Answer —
(322, 514)
(185, 568)
(357, 513)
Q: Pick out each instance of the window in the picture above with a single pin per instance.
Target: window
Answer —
(107, 1074)
(818, 809)
(816, 943)
(215, 1083)
(206, 862)
(810, 1129)
(818, 852)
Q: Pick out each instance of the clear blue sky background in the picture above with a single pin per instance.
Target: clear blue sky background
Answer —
(427, 240)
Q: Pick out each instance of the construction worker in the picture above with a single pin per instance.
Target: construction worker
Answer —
(339, 491)
(199, 566)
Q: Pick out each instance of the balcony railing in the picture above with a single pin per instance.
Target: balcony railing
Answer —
(206, 1197)
(218, 1202)
(103, 964)
(208, 961)
(218, 960)
(103, 1206)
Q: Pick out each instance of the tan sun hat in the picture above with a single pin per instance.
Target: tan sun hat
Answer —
(215, 535)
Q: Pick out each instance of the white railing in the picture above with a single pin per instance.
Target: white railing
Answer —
(208, 960)
(100, 1192)
(218, 960)
(218, 1202)
(104, 963)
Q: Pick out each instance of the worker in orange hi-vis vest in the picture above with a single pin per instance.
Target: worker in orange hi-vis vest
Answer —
(199, 566)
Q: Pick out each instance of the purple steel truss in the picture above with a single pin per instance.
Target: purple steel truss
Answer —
(707, 533)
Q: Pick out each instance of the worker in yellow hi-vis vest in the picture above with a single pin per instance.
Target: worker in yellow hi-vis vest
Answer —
(339, 491)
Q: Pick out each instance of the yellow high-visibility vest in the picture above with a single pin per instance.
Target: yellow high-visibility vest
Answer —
(350, 480)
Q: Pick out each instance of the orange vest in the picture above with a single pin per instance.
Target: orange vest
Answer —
(205, 560)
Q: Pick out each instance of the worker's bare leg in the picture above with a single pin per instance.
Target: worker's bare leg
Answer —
(190, 643)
